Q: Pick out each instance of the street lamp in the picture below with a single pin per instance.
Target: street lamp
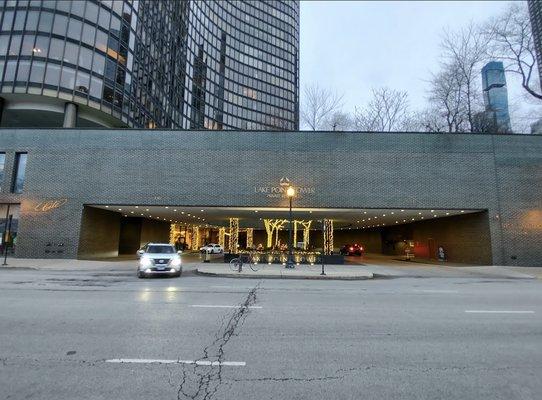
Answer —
(290, 192)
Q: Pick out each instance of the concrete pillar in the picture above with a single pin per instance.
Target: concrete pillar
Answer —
(2, 103)
(234, 235)
(70, 115)
(250, 238)
(328, 236)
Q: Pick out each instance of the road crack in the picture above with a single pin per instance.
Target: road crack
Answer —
(199, 382)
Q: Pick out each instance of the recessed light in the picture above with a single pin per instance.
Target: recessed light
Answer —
(419, 213)
(255, 211)
(383, 215)
(136, 206)
(432, 210)
(402, 210)
(174, 209)
(392, 213)
(201, 210)
(131, 212)
(167, 207)
(435, 215)
(120, 209)
(447, 213)
(462, 211)
(146, 209)
(106, 206)
(364, 212)
(182, 212)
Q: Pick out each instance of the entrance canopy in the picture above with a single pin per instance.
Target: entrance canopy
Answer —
(252, 217)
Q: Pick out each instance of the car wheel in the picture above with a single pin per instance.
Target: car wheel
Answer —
(140, 275)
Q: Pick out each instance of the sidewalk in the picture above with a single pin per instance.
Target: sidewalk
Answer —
(275, 271)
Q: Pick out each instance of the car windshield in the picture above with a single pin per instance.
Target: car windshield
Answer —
(160, 249)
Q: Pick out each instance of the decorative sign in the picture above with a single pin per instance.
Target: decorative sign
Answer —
(279, 191)
(49, 205)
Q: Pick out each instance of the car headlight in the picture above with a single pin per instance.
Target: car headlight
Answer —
(145, 261)
(175, 262)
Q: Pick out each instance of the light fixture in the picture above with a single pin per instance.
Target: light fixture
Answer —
(290, 192)
(136, 206)
(167, 207)
(120, 209)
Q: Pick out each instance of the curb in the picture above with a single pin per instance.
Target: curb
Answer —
(309, 277)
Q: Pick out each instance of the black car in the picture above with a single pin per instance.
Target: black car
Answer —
(352, 250)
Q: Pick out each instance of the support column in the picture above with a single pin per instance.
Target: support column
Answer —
(222, 237)
(250, 238)
(328, 236)
(295, 234)
(234, 235)
(2, 104)
(195, 238)
(70, 115)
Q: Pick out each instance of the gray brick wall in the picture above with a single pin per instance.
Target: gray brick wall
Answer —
(501, 174)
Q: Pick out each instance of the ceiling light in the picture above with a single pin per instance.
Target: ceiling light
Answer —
(167, 207)
(106, 206)
(146, 209)
(201, 210)
(120, 209)
(136, 206)
(402, 210)
(174, 209)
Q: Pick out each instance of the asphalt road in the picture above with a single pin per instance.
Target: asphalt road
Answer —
(62, 335)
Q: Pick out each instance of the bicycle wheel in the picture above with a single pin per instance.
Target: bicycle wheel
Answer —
(254, 266)
(236, 264)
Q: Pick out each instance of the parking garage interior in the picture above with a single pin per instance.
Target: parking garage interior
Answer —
(114, 230)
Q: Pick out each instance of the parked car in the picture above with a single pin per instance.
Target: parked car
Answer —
(212, 248)
(159, 259)
(352, 250)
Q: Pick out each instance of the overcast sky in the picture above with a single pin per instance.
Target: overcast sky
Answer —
(352, 46)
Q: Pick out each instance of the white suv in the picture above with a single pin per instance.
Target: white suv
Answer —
(159, 259)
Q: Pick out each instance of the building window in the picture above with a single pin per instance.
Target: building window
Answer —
(20, 169)
(2, 164)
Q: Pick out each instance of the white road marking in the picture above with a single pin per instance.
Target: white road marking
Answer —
(160, 361)
(499, 311)
(435, 291)
(218, 306)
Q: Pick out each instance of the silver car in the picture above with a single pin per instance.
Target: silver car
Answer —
(159, 259)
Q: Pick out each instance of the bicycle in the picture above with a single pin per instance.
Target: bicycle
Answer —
(236, 264)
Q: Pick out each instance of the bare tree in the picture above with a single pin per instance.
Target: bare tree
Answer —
(318, 106)
(447, 97)
(387, 111)
(339, 121)
(511, 40)
(428, 120)
(465, 50)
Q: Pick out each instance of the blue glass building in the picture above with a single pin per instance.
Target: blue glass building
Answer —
(496, 96)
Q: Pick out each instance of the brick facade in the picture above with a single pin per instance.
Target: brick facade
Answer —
(498, 173)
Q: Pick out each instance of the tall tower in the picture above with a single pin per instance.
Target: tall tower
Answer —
(496, 96)
(191, 64)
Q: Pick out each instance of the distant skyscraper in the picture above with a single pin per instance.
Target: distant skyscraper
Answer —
(535, 11)
(496, 96)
